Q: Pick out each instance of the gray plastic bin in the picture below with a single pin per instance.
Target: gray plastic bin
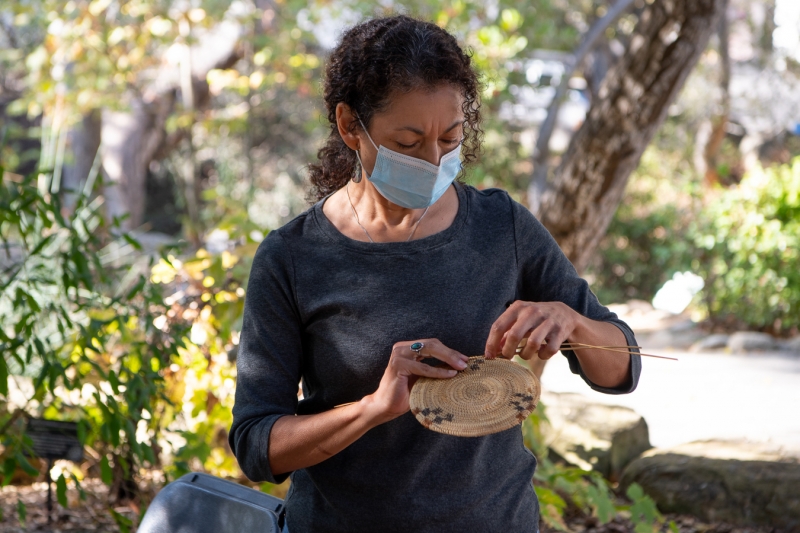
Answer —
(200, 503)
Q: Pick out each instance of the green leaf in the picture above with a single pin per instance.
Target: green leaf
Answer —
(9, 465)
(130, 240)
(113, 380)
(644, 527)
(82, 431)
(600, 500)
(61, 491)
(550, 497)
(123, 522)
(147, 451)
(22, 512)
(106, 474)
(25, 465)
(634, 492)
(3, 376)
(136, 288)
(643, 510)
(81, 492)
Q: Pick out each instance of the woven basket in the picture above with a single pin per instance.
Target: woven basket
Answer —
(487, 397)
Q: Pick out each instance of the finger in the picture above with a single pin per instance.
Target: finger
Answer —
(498, 331)
(538, 336)
(551, 348)
(525, 323)
(421, 369)
(558, 335)
(434, 348)
(530, 351)
(529, 318)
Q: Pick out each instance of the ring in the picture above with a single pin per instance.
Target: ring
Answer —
(416, 347)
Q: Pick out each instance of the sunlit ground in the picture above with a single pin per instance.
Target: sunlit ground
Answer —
(706, 396)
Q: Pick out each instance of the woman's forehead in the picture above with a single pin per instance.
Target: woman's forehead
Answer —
(420, 109)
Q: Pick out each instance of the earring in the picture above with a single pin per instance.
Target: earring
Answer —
(357, 175)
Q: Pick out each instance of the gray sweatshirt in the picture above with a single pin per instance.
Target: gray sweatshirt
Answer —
(327, 309)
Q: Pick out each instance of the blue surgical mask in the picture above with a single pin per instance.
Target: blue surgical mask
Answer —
(410, 182)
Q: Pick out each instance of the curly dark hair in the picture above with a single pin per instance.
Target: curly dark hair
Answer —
(373, 61)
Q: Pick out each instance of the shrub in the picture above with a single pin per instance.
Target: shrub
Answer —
(747, 248)
(645, 243)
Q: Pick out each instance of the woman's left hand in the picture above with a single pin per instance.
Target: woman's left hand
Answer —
(542, 322)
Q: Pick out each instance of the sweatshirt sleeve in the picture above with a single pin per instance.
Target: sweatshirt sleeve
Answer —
(546, 275)
(268, 361)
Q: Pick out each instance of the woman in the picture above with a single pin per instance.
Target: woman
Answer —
(398, 262)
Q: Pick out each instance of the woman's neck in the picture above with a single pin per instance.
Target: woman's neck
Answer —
(382, 220)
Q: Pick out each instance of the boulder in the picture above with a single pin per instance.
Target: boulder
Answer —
(678, 335)
(751, 341)
(792, 346)
(735, 482)
(712, 342)
(593, 436)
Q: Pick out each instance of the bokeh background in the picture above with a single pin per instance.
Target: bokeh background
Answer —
(148, 146)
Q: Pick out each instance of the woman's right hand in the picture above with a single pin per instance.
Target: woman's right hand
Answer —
(305, 440)
(403, 370)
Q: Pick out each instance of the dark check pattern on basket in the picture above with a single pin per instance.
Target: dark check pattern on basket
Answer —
(524, 405)
(438, 417)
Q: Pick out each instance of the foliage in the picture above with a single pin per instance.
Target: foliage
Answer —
(742, 240)
(138, 346)
(747, 242)
(562, 489)
(643, 510)
(139, 352)
(645, 243)
(78, 338)
(263, 119)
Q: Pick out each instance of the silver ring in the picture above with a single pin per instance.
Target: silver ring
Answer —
(416, 347)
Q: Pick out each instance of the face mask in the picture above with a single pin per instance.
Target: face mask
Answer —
(410, 182)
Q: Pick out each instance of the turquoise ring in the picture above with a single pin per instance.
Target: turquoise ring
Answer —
(416, 347)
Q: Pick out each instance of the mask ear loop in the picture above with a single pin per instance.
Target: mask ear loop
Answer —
(358, 174)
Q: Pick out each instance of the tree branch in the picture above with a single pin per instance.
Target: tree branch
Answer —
(541, 154)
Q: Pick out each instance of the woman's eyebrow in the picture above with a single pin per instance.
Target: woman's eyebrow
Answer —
(420, 132)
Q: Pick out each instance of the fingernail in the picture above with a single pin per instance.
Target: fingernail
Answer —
(451, 372)
(461, 364)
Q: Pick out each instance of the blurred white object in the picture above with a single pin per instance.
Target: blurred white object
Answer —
(677, 293)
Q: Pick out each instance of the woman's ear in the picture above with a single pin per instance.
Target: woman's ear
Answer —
(345, 119)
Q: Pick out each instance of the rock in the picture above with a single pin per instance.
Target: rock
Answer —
(792, 346)
(679, 336)
(751, 341)
(712, 342)
(593, 436)
(736, 482)
(642, 317)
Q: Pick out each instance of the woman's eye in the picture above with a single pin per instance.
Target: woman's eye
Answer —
(451, 141)
(406, 146)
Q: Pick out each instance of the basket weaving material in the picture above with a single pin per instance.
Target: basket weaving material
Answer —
(487, 397)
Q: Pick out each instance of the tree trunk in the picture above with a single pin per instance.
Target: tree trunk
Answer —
(84, 142)
(719, 122)
(541, 154)
(588, 185)
(132, 139)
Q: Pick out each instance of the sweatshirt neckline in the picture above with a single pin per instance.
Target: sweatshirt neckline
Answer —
(417, 245)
